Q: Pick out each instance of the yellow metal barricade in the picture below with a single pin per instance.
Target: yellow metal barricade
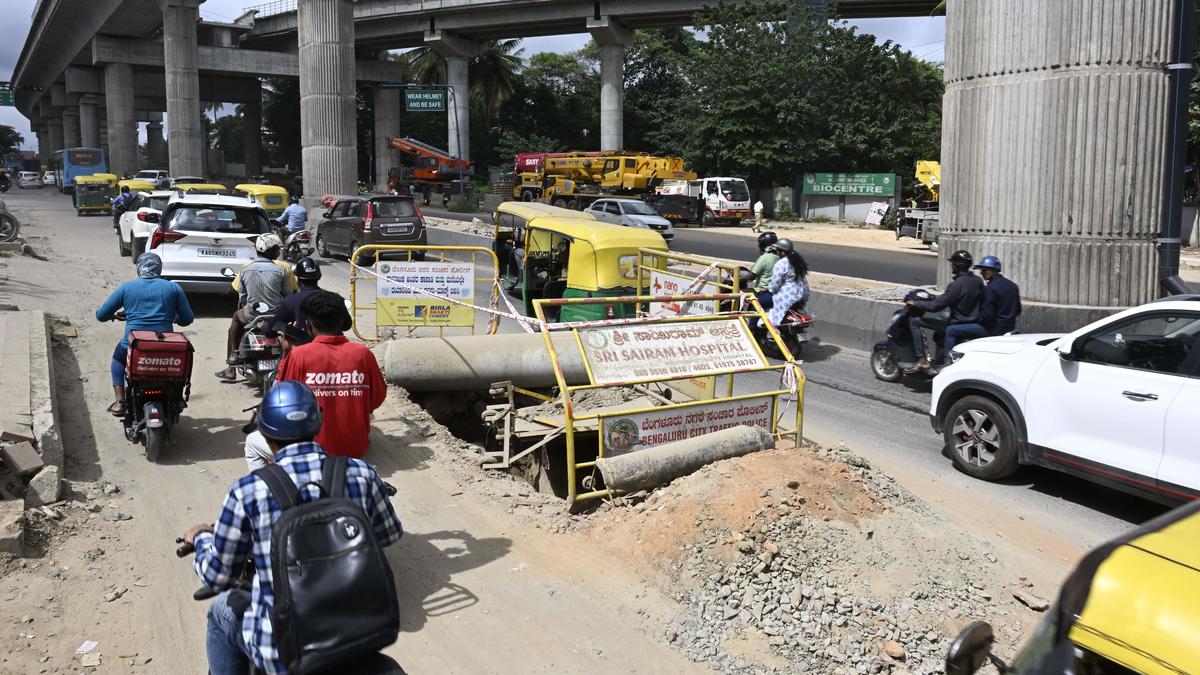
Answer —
(695, 417)
(438, 291)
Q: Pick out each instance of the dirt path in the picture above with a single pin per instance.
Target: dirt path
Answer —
(481, 591)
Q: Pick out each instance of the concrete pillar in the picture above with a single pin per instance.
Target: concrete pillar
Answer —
(156, 147)
(43, 141)
(252, 137)
(56, 134)
(1053, 144)
(70, 125)
(183, 86)
(327, 124)
(122, 127)
(613, 38)
(458, 53)
(89, 121)
(387, 124)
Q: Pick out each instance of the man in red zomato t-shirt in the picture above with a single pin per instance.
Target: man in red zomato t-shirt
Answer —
(344, 375)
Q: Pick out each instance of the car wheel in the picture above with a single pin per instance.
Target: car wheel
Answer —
(883, 364)
(982, 438)
(361, 261)
(121, 248)
(321, 249)
(137, 249)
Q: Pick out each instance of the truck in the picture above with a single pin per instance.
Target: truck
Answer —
(718, 199)
(921, 219)
(432, 169)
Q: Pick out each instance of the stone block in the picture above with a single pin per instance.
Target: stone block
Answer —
(44, 488)
(12, 528)
(21, 458)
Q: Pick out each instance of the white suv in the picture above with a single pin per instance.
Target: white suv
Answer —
(1115, 402)
(140, 220)
(199, 236)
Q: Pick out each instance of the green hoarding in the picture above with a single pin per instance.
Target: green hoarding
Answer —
(850, 184)
(6, 95)
(424, 100)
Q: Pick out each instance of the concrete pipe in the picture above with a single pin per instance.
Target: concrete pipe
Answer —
(644, 469)
(474, 362)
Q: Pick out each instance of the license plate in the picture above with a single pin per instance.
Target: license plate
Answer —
(218, 252)
(271, 364)
(397, 230)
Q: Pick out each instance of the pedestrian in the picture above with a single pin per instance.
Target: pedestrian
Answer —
(759, 220)
(344, 375)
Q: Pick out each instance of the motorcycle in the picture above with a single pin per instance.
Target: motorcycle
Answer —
(5, 182)
(896, 354)
(258, 355)
(158, 383)
(296, 245)
(793, 330)
(10, 227)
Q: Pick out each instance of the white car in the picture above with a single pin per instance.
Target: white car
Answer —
(48, 179)
(159, 177)
(631, 213)
(1114, 402)
(200, 236)
(29, 179)
(138, 221)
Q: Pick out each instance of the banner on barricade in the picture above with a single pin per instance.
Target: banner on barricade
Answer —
(620, 354)
(627, 432)
(663, 283)
(404, 288)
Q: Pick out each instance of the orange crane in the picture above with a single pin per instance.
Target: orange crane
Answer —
(430, 163)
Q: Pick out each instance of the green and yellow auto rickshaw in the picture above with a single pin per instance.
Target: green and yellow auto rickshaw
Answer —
(272, 198)
(550, 252)
(93, 194)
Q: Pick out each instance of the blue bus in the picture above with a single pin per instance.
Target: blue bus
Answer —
(71, 162)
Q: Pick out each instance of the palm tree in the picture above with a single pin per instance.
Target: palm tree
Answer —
(493, 72)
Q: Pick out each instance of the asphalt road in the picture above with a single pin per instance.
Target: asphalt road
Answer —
(897, 267)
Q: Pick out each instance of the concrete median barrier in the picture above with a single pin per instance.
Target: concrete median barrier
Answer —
(29, 411)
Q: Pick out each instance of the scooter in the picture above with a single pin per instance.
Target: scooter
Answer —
(793, 330)
(296, 245)
(158, 376)
(258, 355)
(895, 354)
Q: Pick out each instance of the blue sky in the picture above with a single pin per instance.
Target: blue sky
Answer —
(922, 36)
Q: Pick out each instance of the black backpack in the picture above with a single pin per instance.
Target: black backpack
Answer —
(335, 599)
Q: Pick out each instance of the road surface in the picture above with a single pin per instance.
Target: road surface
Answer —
(897, 267)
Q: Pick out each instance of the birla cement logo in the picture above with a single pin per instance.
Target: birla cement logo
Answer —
(335, 378)
(159, 361)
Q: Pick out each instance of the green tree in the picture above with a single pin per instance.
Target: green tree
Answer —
(281, 122)
(227, 135)
(10, 139)
(656, 84)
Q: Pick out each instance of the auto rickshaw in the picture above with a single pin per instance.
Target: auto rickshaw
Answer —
(203, 188)
(135, 185)
(93, 194)
(1130, 606)
(272, 198)
(551, 252)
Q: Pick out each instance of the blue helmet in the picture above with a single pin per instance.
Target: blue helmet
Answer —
(989, 262)
(289, 412)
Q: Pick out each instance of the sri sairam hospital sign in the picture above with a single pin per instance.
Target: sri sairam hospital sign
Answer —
(850, 184)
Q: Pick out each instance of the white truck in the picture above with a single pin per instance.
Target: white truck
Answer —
(721, 199)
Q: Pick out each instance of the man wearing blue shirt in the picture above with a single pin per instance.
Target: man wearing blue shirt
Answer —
(294, 217)
(151, 303)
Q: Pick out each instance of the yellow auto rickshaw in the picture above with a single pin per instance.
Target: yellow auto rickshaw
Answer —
(551, 252)
(272, 198)
(135, 185)
(1130, 606)
(93, 194)
(203, 188)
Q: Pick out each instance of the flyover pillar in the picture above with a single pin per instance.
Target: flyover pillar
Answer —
(327, 122)
(1079, 90)
(122, 127)
(70, 125)
(182, 86)
(387, 124)
(89, 121)
(43, 140)
(56, 134)
(252, 137)
(156, 147)
(458, 52)
(613, 38)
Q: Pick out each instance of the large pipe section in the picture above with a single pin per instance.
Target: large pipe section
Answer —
(475, 362)
(645, 469)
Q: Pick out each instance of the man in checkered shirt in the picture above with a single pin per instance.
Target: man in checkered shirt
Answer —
(239, 622)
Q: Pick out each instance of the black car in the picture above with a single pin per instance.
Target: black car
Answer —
(371, 219)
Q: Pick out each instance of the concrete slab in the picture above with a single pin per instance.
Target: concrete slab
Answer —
(12, 527)
(21, 458)
(28, 410)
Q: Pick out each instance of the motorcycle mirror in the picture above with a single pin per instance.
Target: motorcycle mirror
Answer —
(227, 272)
(970, 650)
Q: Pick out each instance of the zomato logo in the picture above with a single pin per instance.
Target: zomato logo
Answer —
(320, 379)
(163, 361)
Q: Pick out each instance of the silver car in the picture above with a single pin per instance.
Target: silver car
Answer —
(29, 179)
(631, 213)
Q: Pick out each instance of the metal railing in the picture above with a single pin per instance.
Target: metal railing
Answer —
(273, 8)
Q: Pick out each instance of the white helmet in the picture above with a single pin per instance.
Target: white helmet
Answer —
(266, 242)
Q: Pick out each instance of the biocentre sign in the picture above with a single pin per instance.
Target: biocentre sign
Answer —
(850, 184)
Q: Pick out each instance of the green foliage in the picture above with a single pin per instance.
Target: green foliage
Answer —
(226, 134)
(459, 205)
(10, 139)
(281, 122)
(784, 212)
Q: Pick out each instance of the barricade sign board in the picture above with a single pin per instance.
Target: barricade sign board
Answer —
(622, 354)
(663, 283)
(698, 388)
(877, 213)
(628, 432)
(405, 287)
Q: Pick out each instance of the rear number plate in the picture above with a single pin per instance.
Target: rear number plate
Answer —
(218, 252)
(401, 229)
(270, 364)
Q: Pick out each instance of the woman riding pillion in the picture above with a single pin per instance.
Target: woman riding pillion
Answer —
(151, 303)
(788, 283)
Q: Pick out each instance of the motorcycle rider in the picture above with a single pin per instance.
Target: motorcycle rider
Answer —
(998, 311)
(762, 268)
(239, 621)
(345, 375)
(789, 281)
(121, 203)
(289, 312)
(295, 217)
(963, 297)
(151, 303)
(266, 280)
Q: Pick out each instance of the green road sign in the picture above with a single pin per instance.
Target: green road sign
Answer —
(850, 184)
(6, 95)
(424, 100)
